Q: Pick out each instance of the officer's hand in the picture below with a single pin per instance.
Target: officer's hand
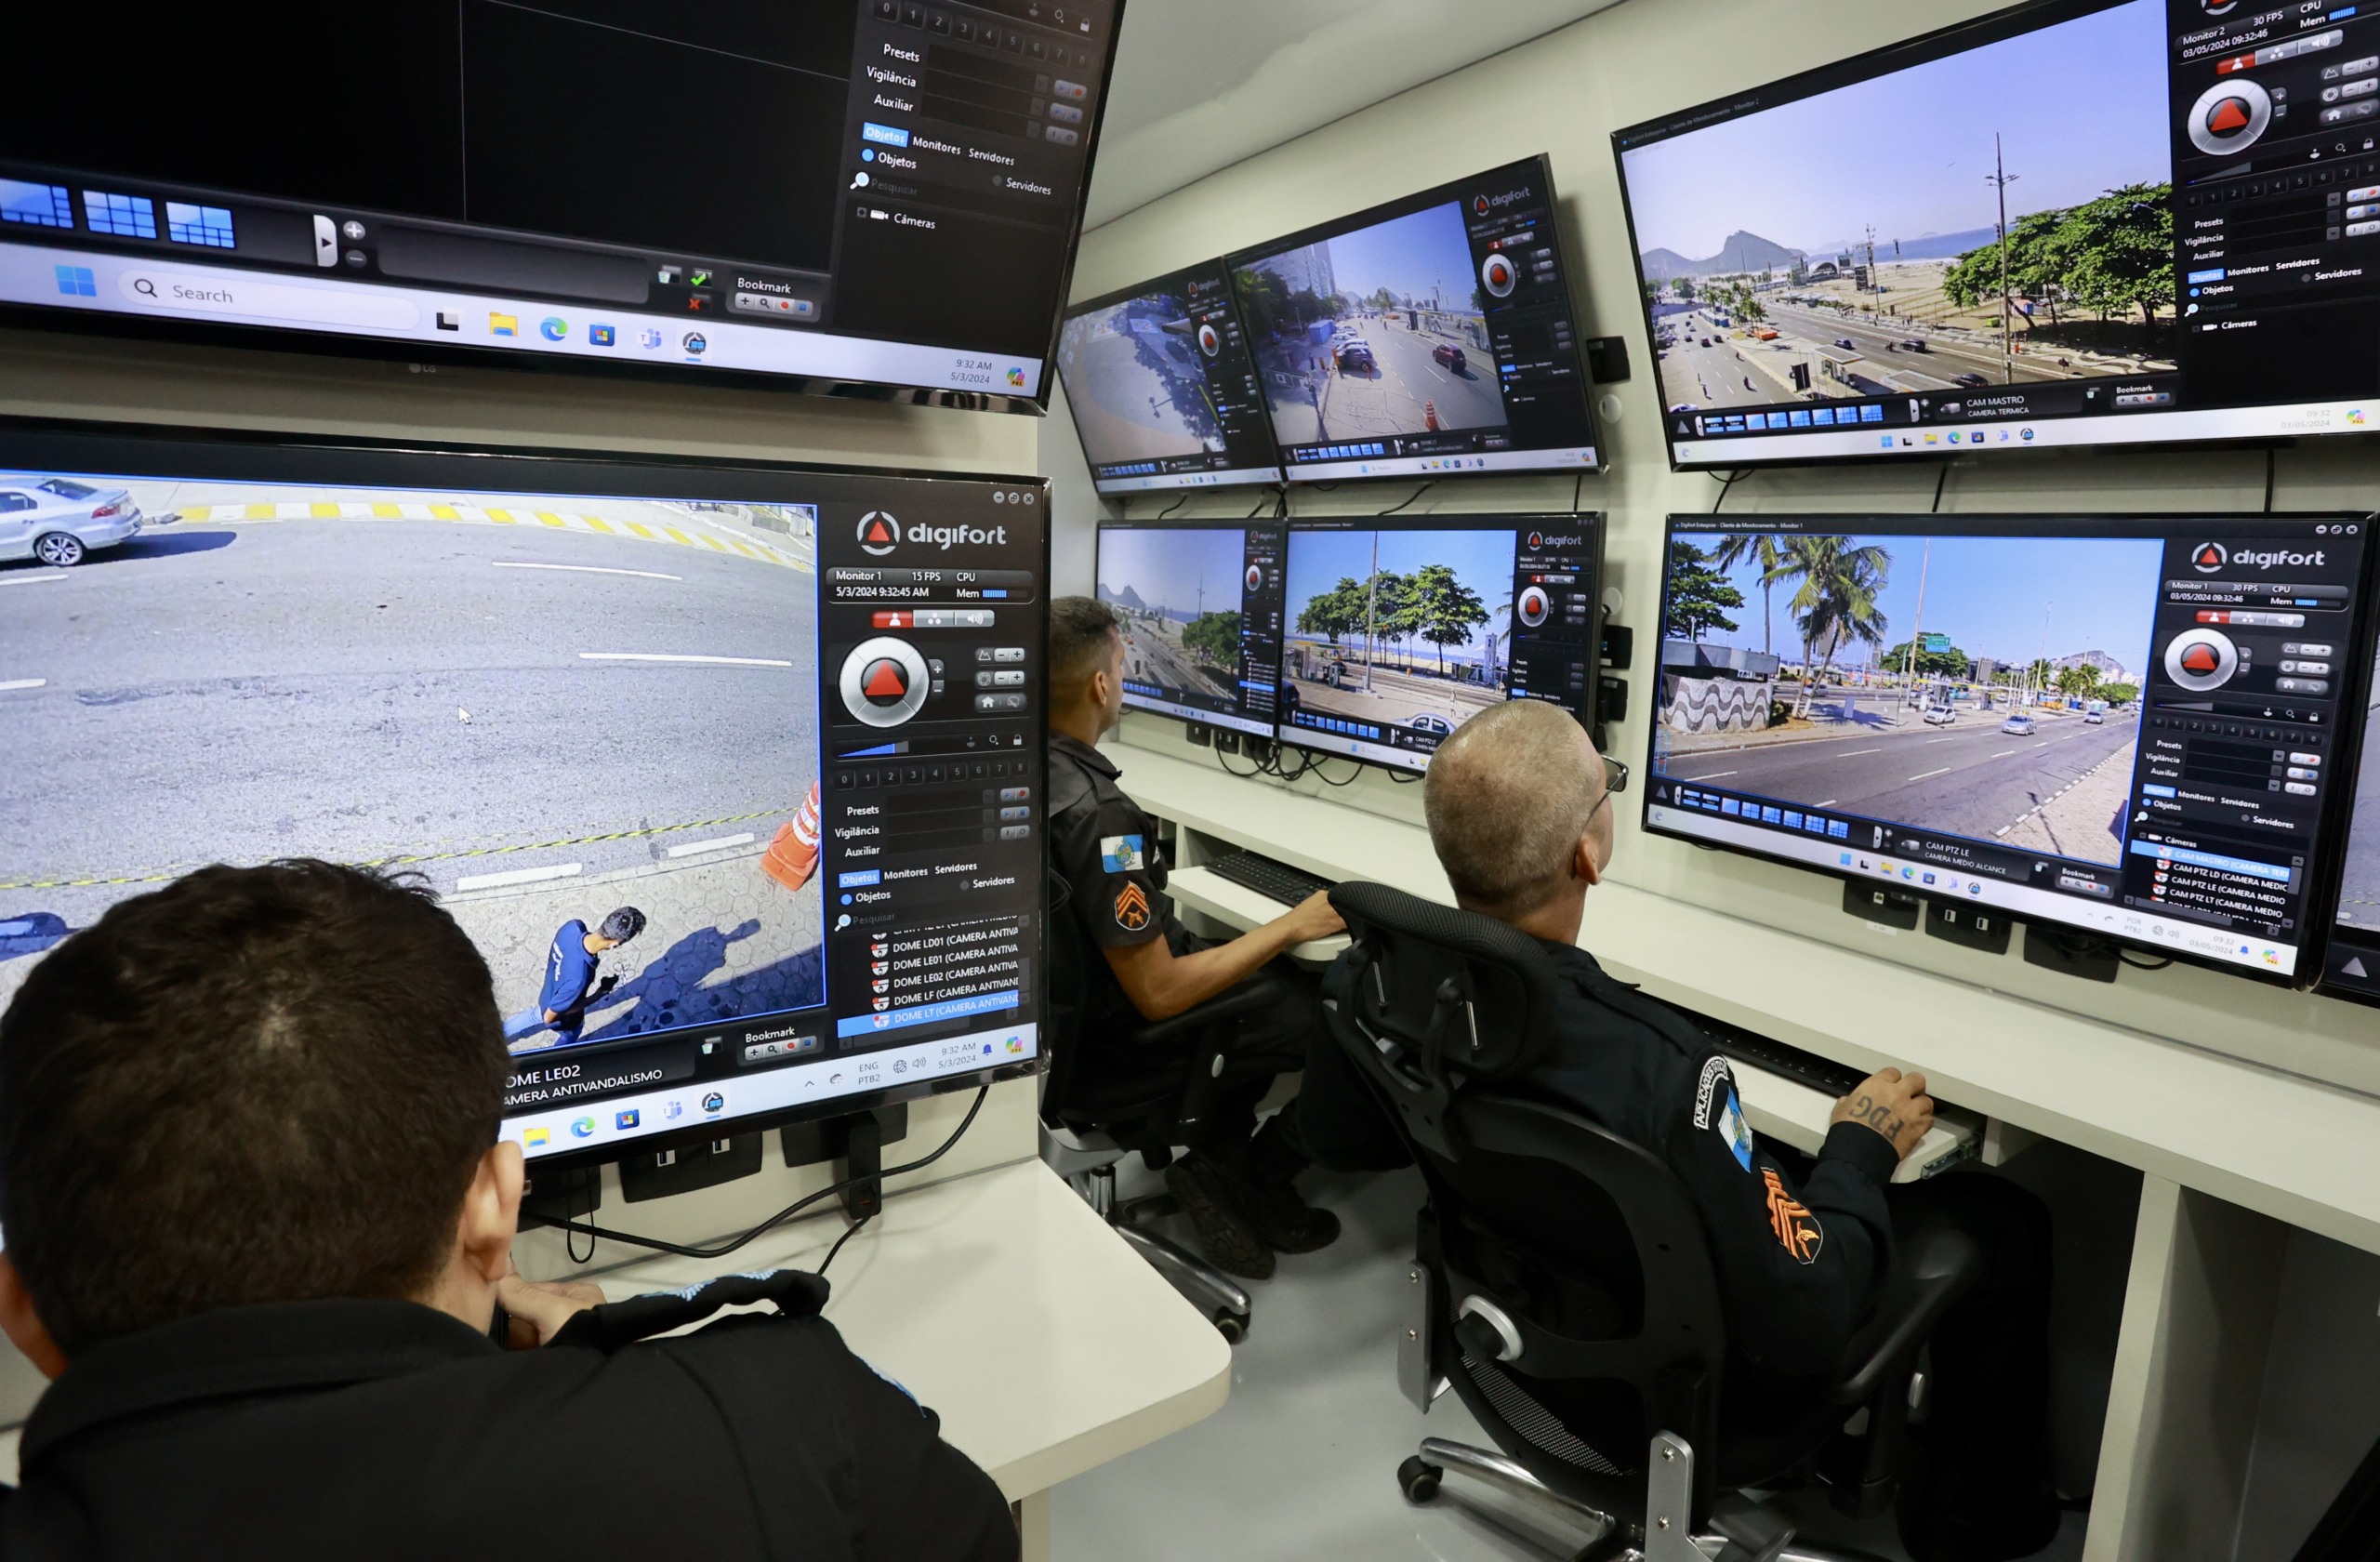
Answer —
(604, 987)
(1893, 1104)
(539, 1308)
(1314, 917)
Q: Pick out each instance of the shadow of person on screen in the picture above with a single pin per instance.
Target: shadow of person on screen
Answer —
(669, 989)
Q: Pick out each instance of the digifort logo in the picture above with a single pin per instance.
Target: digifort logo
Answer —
(2210, 557)
(880, 533)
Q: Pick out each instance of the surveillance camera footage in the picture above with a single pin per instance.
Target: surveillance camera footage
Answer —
(582, 720)
(1137, 383)
(2129, 725)
(1201, 611)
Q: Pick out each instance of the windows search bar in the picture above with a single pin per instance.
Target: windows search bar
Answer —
(237, 298)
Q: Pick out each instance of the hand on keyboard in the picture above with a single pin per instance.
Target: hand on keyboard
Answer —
(1893, 1104)
(1314, 917)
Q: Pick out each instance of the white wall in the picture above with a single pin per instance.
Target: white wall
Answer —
(1564, 94)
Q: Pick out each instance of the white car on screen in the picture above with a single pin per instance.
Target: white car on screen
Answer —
(1940, 715)
(59, 521)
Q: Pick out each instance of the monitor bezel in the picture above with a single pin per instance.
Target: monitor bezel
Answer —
(2029, 16)
(1450, 189)
(2333, 882)
(130, 449)
(2314, 932)
(1516, 522)
(1247, 477)
(331, 344)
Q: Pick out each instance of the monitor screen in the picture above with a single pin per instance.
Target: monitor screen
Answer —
(1163, 387)
(1432, 334)
(1202, 619)
(2352, 966)
(2183, 251)
(737, 839)
(850, 193)
(2127, 727)
(1400, 629)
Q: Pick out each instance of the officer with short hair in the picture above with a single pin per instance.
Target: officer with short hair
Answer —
(1144, 965)
(573, 964)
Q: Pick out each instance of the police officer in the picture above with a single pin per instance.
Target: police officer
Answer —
(263, 1264)
(1519, 809)
(1144, 966)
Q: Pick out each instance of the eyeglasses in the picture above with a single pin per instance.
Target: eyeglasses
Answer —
(1615, 780)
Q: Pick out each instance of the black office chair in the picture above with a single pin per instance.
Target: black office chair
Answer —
(1099, 1104)
(1563, 1283)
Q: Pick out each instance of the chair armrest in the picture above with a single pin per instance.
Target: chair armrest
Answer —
(1933, 1269)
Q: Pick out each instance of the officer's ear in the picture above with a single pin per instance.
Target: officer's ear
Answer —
(1586, 864)
(23, 1326)
(491, 1213)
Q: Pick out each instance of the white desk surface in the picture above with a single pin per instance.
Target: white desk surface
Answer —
(1217, 896)
(999, 1299)
(2288, 1147)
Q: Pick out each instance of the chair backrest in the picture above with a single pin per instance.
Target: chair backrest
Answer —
(1585, 1246)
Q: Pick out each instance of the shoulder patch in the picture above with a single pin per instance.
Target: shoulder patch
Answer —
(1797, 1230)
(1706, 1090)
(1131, 908)
(1121, 854)
(1732, 1128)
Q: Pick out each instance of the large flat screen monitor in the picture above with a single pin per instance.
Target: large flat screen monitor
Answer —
(731, 773)
(1202, 619)
(1959, 241)
(843, 193)
(2130, 728)
(1434, 334)
(1162, 386)
(2351, 968)
(1399, 629)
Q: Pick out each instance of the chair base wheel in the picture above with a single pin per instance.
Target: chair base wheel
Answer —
(1417, 1480)
(1231, 1326)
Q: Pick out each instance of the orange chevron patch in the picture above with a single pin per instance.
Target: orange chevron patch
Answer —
(1131, 908)
(1797, 1230)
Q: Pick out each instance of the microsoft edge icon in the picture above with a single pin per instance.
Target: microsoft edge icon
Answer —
(553, 328)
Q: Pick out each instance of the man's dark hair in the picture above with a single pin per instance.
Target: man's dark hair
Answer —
(1082, 631)
(623, 924)
(257, 1084)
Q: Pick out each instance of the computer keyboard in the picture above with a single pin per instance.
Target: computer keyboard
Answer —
(1276, 881)
(1823, 1075)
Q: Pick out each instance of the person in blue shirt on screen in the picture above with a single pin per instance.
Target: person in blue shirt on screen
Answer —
(573, 966)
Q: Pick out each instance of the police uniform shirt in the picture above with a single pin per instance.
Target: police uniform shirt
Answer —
(1799, 1261)
(1105, 849)
(389, 1431)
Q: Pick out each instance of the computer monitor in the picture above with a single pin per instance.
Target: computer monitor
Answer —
(1202, 619)
(877, 194)
(776, 729)
(1434, 334)
(1162, 387)
(1959, 242)
(1399, 629)
(2128, 728)
(2351, 966)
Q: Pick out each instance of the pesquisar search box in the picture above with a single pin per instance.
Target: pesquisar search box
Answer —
(185, 292)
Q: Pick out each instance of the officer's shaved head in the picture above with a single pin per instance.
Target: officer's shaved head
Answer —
(1508, 798)
(1082, 636)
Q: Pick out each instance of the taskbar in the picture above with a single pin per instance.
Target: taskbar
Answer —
(2209, 425)
(1229, 720)
(2160, 930)
(1142, 483)
(1355, 748)
(185, 292)
(564, 1127)
(1334, 467)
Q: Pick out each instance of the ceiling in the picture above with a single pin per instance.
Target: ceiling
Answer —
(1201, 84)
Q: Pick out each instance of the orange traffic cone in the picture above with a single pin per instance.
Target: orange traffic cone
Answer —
(1430, 415)
(793, 851)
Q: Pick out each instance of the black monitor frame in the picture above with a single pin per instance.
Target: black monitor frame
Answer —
(2353, 691)
(2333, 886)
(232, 455)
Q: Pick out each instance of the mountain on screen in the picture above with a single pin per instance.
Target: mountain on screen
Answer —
(1127, 598)
(1743, 252)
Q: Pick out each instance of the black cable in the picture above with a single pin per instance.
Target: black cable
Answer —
(1253, 513)
(1172, 507)
(1323, 776)
(721, 1249)
(1940, 479)
(2127, 958)
(839, 1243)
(2271, 453)
(1410, 497)
(1577, 490)
(1726, 480)
(1244, 775)
(1404, 777)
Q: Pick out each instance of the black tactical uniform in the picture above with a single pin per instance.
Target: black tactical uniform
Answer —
(387, 1430)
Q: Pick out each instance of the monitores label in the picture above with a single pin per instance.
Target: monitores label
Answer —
(878, 192)
(1400, 629)
(1432, 334)
(1162, 386)
(2352, 966)
(737, 839)
(1201, 610)
(2133, 728)
(2184, 251)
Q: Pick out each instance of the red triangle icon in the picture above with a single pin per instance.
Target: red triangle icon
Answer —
(2201, 659)
(2209, 557)
(885, 680)
(2227, 116)
(879, 532)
